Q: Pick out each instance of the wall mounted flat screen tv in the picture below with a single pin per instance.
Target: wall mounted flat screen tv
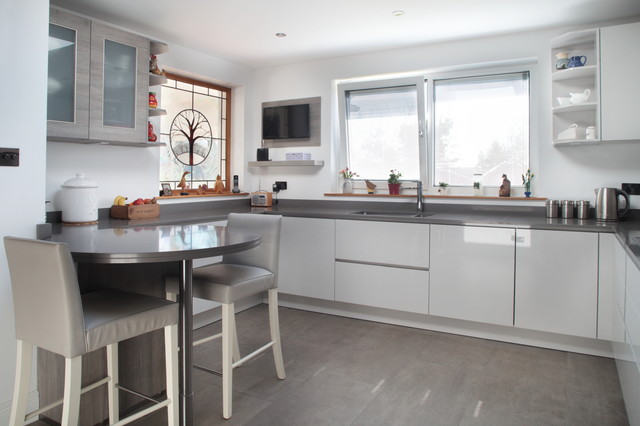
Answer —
(285, 122)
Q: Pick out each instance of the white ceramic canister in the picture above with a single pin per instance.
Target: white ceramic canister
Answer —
(79, 200)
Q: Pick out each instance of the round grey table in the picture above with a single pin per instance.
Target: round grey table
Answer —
(165, 243)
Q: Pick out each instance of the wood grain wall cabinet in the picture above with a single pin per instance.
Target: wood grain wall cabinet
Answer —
(68, 75)
(98, 82)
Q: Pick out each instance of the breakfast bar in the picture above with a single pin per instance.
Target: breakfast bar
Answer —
(179, 243)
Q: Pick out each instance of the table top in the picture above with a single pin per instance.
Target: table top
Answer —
(148, 244)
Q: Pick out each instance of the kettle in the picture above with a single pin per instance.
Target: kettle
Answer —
(607, 204)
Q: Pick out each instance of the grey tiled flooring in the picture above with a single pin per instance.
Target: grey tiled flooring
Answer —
(343, 371)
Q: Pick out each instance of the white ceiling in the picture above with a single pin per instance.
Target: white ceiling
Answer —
(243, 31)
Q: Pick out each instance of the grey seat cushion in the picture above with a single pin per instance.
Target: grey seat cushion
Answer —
(111, 316)
(226, 283)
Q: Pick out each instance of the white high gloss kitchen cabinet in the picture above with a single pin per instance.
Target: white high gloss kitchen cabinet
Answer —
(382, 264)
(557, 282)
(620, 81)
(392, 243)
(307, 257)
(611, 288)
(472, 273)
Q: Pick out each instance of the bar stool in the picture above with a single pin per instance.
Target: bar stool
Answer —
(240, 275)
(50, 313)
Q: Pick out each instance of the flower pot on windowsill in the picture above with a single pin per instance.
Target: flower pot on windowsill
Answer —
(347, 186)
(394, 188)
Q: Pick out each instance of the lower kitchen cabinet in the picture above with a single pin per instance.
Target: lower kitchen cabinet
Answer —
(402, 289)
(307, 257)
(472, 273)
(557, 282)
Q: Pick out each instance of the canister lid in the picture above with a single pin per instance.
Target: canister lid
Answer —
(567, 202)
(80, 181)
(582, 203)
(552, 202)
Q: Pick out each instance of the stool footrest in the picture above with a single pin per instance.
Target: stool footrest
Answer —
(252, 354)
(60, 401)
(142, 413)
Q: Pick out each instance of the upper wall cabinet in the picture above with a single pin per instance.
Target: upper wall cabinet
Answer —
(575, 87)
(620, 82)
(119, 85)
(98, 82)
(68, 80)
(599, 99)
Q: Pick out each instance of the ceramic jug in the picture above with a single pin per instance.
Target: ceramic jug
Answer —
(562, 60)
(577, 61)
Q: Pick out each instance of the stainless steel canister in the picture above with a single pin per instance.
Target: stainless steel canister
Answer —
(582, 209)
(567, 209)
(552, 208)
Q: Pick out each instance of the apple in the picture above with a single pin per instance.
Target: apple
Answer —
(138, 202)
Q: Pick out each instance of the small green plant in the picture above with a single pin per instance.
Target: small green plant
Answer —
(443, 184)
(526, 180)
(394, 176)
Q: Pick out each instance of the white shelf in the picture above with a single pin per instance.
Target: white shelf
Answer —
(575, 38)
(575, 72)
(559, 142)
(314, 163)
(157, 47)
(156, 80)
(585, 106)
(154, 112)
(103, 142)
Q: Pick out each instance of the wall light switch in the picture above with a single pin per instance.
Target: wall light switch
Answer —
(631, 188)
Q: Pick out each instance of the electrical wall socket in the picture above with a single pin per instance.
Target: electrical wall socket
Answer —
(9, 157)
(281, 185)
(631, 188)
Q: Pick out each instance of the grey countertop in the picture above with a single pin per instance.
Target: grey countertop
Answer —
(627, 231)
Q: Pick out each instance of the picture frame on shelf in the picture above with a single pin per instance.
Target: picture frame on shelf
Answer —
(166, 189)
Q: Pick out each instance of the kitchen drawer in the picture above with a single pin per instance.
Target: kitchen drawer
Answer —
(390, 243)
(383, 287)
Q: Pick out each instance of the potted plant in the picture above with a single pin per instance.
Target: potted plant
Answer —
(526, 182)
(443, 188)
(394, 182)
(347, 182)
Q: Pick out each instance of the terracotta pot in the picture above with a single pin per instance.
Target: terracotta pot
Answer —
(394, 188)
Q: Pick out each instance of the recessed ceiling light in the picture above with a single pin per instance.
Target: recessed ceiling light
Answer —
(281, 35)
(397, 12)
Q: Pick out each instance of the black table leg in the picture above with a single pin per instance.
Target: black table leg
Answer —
(185, 341)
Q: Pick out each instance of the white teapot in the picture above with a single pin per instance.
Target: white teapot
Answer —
(578, 98)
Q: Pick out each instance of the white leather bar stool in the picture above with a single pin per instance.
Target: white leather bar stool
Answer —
(240, 275)
(50, 313)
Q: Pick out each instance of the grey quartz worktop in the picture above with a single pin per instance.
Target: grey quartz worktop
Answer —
(519, 217)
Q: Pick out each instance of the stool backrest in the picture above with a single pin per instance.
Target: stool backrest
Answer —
(46, 296)
(265, 255)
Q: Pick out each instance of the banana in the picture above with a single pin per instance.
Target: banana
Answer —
(119, 200)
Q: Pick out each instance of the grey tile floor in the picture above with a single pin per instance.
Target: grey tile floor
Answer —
(343, 371)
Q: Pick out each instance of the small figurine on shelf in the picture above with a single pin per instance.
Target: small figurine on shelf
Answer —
(218, 187)
(153, 101)
(526, 183)
(183, 181)
(505, 188)
(371, 187)
(153, 65)
(151, 135)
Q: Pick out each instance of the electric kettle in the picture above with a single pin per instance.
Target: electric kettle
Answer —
(607, 204)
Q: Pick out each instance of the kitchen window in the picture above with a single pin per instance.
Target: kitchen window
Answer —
(438, 127)
(481, 126)
(196, 131)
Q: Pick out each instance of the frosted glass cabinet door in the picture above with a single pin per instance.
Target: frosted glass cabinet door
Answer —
(68, 75)
(119, 85)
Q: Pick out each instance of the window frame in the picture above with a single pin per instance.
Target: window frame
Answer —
(425, 83)
(228, 90)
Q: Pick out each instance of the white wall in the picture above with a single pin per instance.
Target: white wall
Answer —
(23, 46)
(134, 172)
(561, 173)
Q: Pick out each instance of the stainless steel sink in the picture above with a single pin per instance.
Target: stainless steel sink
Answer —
(390, 213)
